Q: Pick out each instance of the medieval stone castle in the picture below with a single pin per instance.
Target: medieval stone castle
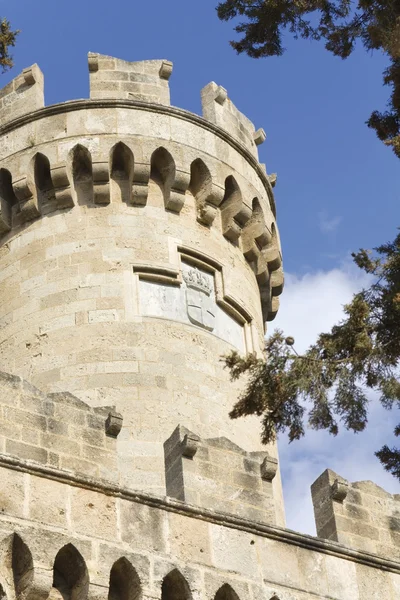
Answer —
(138, 246)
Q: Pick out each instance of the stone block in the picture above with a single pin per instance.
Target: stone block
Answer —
(93, 514)
(48, 502)
(12, 492)
(26, 451)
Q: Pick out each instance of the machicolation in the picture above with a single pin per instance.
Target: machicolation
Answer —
(138, 244)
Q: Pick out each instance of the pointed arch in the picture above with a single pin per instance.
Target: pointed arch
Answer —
(163, 172)
(7, 200)
(70, 574)
(43, 185)
(175, 587)
(226, 592)
(121, 172)
(206, 194)
(124, 582)
(81, 170)
(234, 212)
(21, 565)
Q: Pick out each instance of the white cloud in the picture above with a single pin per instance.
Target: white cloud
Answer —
(312, 304)
(328, 224)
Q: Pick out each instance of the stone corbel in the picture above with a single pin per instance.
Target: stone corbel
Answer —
(207, 209)
(273, 178)
(339, 490)
(255, 236)
(166, 69)
(268, 468)
(93, 62)
(259, 136)
(221, 95)
(190, 445)
(101, 183)
(178, 189)
(28, 204)
(234, 220)
(41, 585)
(140, 185)
(62, 187)
(113, 424)
(29, 75)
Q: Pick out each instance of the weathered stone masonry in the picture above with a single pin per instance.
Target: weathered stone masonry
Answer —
(139, 244)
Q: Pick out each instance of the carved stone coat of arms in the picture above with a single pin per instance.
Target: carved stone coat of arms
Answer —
(200, 299)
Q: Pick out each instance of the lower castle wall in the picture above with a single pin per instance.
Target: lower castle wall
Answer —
(159, 535)
(70, 320)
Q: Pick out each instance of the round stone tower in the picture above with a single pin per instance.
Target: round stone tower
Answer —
(139, 245)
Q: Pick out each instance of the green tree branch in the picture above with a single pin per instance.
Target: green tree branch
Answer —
(333, 377)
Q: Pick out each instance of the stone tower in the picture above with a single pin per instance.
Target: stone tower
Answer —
(138, 246)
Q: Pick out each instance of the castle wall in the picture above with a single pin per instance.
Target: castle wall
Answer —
(138, 246)
(209, 549)
(361, 514)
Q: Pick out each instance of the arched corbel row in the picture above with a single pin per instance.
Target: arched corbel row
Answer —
(81, 173)
(70, 574)
(207, 194)
(124, 582)
(234, 213)
(175, 587)
(256, 235)
(270, 276)
(173, 181)
(7, 201)
(121, 172)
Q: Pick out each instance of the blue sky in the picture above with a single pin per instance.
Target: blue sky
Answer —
(337, 184)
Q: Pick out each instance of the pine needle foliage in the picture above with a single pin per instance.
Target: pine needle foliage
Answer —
(340, 24)
(328, 385)
(7, 40)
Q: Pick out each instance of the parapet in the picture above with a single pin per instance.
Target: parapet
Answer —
(221, 111)
(360, 515)
(146, 80)
(57, 430)
(219, 475)
(22, 95)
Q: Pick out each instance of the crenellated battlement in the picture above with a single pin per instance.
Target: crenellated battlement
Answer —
(146, 81)
(219, 475)
(360, 515)
(22, 95)
(219, 109)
